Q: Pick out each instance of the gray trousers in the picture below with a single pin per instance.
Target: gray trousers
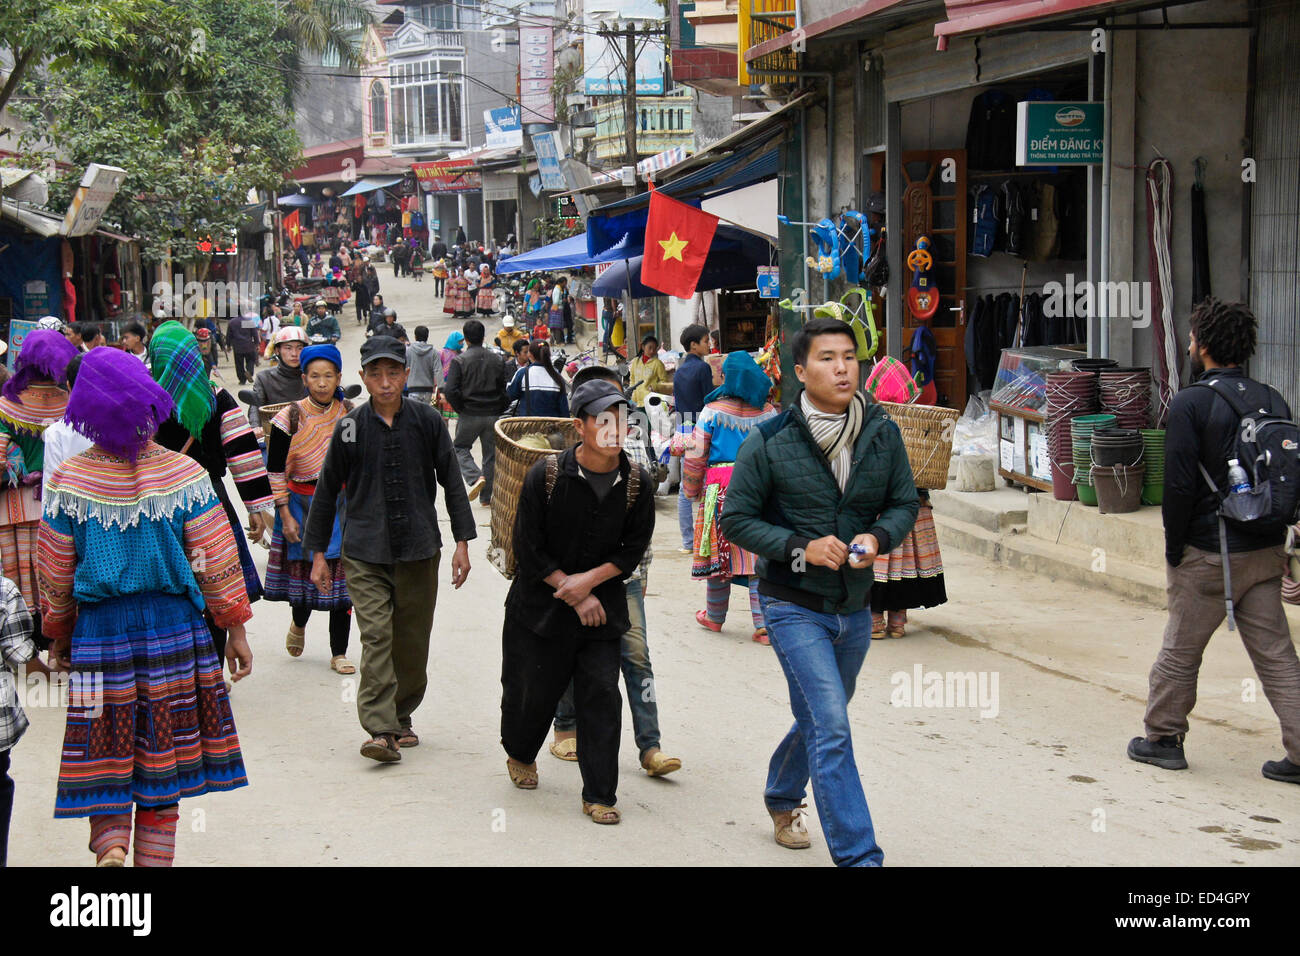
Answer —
(1196, 610)
(482, 428)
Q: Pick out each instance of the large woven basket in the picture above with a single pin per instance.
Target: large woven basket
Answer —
(266, 414)
(927, 434)
(512, 463)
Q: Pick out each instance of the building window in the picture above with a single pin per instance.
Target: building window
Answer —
(448, 16)
(428, 102)
(378, 108)
(330, 59)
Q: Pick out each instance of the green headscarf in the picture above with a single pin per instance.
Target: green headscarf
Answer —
(178, 367)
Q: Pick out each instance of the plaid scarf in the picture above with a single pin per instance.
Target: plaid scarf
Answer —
(178, 367)
(836, 434)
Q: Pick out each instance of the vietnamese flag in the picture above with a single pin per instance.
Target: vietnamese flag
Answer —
(293, 228)
(677, 239)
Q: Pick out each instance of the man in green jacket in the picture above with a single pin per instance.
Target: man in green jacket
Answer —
(817, 493)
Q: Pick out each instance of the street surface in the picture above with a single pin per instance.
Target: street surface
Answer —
(1041, 779)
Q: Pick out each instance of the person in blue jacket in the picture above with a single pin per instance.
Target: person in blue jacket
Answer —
(538, 387)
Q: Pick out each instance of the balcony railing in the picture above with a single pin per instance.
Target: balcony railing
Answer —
(760, 21)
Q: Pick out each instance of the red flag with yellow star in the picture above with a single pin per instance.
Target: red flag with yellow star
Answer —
(293, 228)
(677, 239)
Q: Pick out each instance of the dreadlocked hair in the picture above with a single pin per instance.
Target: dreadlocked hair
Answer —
(1224, 329)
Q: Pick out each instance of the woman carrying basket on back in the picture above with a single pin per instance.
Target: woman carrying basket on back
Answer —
(911, 575)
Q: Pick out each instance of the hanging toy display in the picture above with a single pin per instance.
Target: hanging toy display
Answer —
(923, 295)
(826, 238)
(855, 245)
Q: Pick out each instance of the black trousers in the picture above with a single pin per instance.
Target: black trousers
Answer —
(6, 805)
(340, 627)
(245, 366)
(535, 671)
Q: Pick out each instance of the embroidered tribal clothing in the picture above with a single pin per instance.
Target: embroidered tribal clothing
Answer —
(23, 420)
(295, 455)
(130, 553)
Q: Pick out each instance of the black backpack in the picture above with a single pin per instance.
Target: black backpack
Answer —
(1268, 448)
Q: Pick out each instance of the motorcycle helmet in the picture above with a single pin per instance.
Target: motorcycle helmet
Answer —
(289, 333)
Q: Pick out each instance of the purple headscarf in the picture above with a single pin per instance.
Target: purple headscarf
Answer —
(116, 403)
(45, 355)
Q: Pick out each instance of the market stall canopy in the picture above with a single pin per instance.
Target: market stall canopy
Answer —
(568, 253)
(370, 185)
(298, 199)
(733, 260)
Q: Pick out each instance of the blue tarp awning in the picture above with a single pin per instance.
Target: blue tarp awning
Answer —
(627, 217)
(568, 253)
(733, 260)
(298, 199)
(370, 185)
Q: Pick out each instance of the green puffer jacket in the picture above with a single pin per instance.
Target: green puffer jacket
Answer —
(783, 494)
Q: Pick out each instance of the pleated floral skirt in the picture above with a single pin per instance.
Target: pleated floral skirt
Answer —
(149, 719)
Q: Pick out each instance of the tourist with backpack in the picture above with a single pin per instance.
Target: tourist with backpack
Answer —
(1231, 474)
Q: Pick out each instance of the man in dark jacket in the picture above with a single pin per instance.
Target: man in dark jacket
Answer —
(283, 382)
(322, 324)
(476, 389)
(439, 249)
(581, 530)
(817, 493)
(1202, 433)
(244, 333)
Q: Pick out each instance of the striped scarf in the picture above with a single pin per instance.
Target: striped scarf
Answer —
(178, 367)
(836, 434)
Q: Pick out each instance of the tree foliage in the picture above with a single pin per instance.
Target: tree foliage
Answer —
(191, 156)
(151, 44)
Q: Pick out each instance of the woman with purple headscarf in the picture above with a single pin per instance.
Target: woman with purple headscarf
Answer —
(123, 598)
(31, 400)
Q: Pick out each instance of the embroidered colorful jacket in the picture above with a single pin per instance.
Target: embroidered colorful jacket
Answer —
(22, 450)
(295, 459)
(719, 431)
(113, 528)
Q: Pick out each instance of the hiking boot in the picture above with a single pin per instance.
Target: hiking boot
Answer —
(1166, 752)
(1283, 770)
(790, 830)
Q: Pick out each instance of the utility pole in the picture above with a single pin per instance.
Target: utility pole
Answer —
(629, 34)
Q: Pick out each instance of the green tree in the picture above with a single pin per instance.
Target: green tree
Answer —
(191, 156)
(151, 45)
(320, 27)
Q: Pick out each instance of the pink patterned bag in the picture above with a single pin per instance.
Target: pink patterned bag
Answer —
(890, 381)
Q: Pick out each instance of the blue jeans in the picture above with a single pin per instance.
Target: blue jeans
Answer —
(638, 677)
(686, 517)
(821, 655)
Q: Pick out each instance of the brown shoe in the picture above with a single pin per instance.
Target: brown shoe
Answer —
(791, 831)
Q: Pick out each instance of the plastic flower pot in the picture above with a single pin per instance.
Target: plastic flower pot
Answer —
(1119, 488)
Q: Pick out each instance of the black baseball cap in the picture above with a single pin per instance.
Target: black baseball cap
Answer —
(593, 397)
(382, 347)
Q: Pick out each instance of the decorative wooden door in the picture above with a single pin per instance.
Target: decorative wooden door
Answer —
(934, 205)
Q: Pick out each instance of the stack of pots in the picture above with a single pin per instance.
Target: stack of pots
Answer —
(1126, 394)
(1081, 432)
(1069, 395)
(1117, 469)
(1153, 453)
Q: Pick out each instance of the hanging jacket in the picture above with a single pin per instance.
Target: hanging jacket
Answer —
(1015, 222)
(1047, 229)
(991, 132)
(988, 348)
(985, 234)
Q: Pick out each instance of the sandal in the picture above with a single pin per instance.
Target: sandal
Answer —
(702, 618)
(408, 738)
(760, 636)
(110, 857)
(523, 777)
(658, 764)
(895, 630)
(382, 747)
(566, 749)
(600, 813)
(341, 665)
(295, 640)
